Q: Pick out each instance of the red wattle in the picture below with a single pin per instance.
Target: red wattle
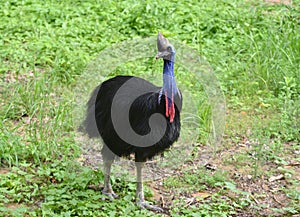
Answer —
(172, 113)
(170, 110)
(167, 105)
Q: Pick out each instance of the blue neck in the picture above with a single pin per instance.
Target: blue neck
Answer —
(169, 78)
(169, 68)
(169, 89)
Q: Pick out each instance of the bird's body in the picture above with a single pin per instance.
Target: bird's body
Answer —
(140, 111)
(134, 100)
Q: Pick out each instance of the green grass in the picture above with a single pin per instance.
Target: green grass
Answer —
(253, 48)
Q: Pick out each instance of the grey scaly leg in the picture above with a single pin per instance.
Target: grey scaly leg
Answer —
(108, 159)
(140, 199)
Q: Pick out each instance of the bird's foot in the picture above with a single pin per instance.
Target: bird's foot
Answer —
(110, 194)
(146, 205)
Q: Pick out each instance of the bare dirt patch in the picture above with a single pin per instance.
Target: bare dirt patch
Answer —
(4, 171)
(12, 205)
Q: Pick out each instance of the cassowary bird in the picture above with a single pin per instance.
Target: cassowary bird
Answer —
(133, 116)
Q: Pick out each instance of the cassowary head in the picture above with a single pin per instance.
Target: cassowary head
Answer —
(169, 89)
(165, 49)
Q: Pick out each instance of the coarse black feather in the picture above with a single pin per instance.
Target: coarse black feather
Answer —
(98, 121)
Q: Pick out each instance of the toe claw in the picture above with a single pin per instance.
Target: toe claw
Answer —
(145, 205)
(110, 195)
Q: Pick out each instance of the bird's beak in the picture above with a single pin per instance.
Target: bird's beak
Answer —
(159, 55)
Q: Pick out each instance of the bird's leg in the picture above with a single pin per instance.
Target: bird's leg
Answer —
(139, 188)
(140, 199)
(107, 190)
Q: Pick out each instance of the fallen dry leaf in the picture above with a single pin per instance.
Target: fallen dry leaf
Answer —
(275, 178)
(81, 159)
(201, 195)
(210, 166)
(293, 164)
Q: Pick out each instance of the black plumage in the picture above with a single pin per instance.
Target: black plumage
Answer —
(99, 109)
(164, 100)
